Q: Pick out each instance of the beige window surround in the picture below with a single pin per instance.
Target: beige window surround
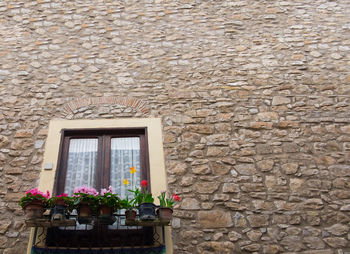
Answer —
(155, 148)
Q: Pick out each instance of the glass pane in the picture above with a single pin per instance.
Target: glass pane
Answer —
(81, 168)
(125, 153)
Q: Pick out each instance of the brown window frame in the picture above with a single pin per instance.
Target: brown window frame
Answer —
(104, 136)
(88, 238)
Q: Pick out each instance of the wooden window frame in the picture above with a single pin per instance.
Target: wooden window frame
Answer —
(104, 136)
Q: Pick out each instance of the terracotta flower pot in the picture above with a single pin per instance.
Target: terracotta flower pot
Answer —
(105, 210)
(130, 214)
(60, 202)
(84, 213)
(105, 215)
(34, 209)
(85, 210)
(165, 213)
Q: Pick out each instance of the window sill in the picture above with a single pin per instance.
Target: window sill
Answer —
(141, 250)
(69, 234)
(46, 223)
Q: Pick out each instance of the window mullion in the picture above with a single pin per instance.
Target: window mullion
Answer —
(99, 165)
(106, 161)
(144, 163)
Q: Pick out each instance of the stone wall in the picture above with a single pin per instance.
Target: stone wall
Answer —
(254, 97)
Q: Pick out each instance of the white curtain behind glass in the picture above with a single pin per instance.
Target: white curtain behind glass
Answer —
(81, 168)
(125, 153)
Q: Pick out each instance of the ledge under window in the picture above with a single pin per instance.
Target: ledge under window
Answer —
(120, 236)
(143, 250)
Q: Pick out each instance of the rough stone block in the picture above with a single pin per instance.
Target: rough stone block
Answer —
(328, 251)
(257, 221)
(340, 170)
(23, 134)
(206, 187)
(177, 168)
(290, 168)
(313, 203)
(336, 242)
(313, 242)
(216, 247)
(265, 165)
(280, 100)
(214, 219)
(338, 229)
(13, 196)
(234, 236)
(3, 141)
(230, 187)
(245, 169)
(190, 204)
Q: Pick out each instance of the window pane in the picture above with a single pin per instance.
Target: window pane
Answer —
(81, 165)
(125, 153)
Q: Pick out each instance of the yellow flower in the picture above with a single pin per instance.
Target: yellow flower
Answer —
(125, 181)
(132, 170)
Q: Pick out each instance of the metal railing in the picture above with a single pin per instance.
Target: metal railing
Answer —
(112, 234)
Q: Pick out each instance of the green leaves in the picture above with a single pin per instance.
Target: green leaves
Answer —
(141, 196)
(167, 201)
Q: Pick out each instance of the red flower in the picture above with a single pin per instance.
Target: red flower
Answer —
(176, 197)
(144, 183)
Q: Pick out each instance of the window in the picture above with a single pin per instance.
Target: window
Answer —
(102, 157)
(58, 129)
(99, 158)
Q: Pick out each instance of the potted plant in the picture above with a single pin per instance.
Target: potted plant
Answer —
(128, 205)
(144, 199)
(86, 202)
(165, 210)
(34, 203)
(109, 202)
(60, 206)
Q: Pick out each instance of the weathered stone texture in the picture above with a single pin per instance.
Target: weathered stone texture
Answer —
(256, 221)
(253, 97)
(214, 219)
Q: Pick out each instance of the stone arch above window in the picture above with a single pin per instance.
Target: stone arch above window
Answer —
(104, 105)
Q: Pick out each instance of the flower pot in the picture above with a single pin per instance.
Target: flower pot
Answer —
(105, 210)
(165, 213)
(130, 215)
(60, 202)
(105, 215)
(147, 211)
(34, 209)
(84, 213)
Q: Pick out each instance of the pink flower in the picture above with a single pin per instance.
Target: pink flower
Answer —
(36, 192)
(103, 191)
(62, 195)
(86, 190)
(109, 190)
